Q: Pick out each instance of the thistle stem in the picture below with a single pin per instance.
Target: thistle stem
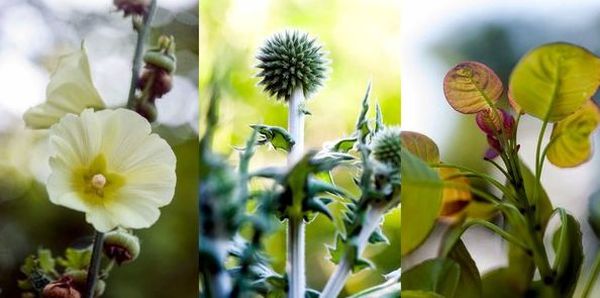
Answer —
(92, 275)
(589, 285)
(295, 237)
(139, 51)
(336, 282)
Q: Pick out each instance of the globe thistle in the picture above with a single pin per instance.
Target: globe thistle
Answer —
(386, 146)
(291, 60)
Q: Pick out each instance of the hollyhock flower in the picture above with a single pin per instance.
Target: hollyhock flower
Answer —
(70, 90)
(108, 165)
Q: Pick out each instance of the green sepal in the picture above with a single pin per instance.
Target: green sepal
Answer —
(277, 136)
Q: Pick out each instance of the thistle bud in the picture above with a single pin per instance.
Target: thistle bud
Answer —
(291, 60)
(132, 7)
(62, 288)
(386, 146)
(121, 246)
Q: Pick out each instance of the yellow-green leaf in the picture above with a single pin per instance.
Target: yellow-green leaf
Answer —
(554, 80)
(421, 200)
(471, 87)
(571, 144)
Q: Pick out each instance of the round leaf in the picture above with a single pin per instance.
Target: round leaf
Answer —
(421, 146)
(471, 87)
(571, 144)
(554, 80)
(440, 276)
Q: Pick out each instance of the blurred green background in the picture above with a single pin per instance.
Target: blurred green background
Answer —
(167, 265)
(362, 39)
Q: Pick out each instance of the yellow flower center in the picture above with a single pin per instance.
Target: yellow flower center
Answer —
(95, 183)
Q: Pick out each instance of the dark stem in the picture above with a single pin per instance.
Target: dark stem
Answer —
(139, 50)
(92, 275)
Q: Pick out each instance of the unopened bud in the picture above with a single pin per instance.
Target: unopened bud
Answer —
(132, 7)
(163, 55)
(121, 246)
(492, 121)
(147, 110)
(62, 288)
(161, 82)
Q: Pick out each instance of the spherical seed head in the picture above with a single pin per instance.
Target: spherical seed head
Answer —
(291, 60)
(386, 146)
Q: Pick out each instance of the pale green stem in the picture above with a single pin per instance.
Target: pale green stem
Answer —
(296, 226)
(336, 282)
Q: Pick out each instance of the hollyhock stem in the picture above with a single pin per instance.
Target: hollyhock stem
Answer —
(92, 275)
(296, 226)
(139, 50)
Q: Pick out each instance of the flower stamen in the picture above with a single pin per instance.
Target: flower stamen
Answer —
(98, 182)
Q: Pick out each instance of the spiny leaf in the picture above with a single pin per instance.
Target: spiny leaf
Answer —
(378, 237)
(471, 87)
(278, 137)
(554, 80)
(344, 145)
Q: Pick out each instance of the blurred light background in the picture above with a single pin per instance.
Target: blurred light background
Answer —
(363, 41)
(33, 35)
(437, 35)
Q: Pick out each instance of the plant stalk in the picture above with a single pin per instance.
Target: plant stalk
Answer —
(94, 268)
(295, 236)
(589, 285)
(139, 51)
(336, 282)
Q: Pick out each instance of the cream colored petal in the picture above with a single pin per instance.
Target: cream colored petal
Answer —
(70, 90)
(77, 137)
(101, 219)
(135, 211)
(157, 183)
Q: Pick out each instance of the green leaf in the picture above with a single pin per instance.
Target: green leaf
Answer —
(499, 283)
(569, 255)
(378, 237)
(278, 137)
(46, 261)
(554, 80)
(421, 201)
(76, 259)
(437, 275)
(471, 87)
(420, 294)
(570, 143)
(344, 145)
(469, 282)
(594, 213)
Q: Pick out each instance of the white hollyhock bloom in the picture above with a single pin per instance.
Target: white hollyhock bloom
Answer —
(108, 165)
(70, 90)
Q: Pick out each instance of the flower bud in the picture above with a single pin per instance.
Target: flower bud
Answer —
(132, 7)
(62, 288)
(162, 56)
(147, 110)
(160, 81)
(121, 246)
(386, 147)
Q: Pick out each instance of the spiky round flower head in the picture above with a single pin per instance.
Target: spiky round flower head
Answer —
(291, 60)
(386, 146)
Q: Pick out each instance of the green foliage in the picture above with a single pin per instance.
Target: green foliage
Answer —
(440, 276)
(278, 137)
(554, 80)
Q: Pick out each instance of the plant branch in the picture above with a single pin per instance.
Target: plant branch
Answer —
(139, 51)
(94, 267)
